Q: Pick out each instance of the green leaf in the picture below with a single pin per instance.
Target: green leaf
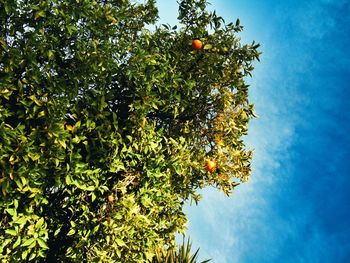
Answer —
(71, 232)
(120, 242)
(42, 243)
(17, 243)
(21, 220)
(50, 55)
(95, 228)
(39, 223)
(32, 255)
(68, 180)
(15, 202)
(62, 143)
(24, 254)
(11, 211)
(28, 242)
(41, 114)
(154, 105)
(11, 232)
(40, 13)
(93, 196)
(118, 216)
(119, 253)
(57, 232)
(34, 156)
(90, 188)
(36, 101)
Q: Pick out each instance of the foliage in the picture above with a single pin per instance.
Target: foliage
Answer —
(182, 255)
(94, 104)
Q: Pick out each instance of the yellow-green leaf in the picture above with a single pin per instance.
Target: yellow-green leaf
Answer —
(21, 221)
(11, 232)
(90, 188)
(120, 242)
(16, 244)
(71, 232)
(40, 13)
(42, 243)
(28, 242)
(39, 223)
(34, 156)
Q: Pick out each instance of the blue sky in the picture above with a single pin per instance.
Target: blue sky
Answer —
(296, 208)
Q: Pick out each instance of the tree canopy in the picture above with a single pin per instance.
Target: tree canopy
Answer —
(106, 125)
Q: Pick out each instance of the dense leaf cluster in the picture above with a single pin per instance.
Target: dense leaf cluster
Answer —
(105, 125)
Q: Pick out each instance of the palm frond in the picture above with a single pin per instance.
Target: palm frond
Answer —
(181, 255)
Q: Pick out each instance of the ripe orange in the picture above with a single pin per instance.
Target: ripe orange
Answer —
(110, 198)
(210, 165)
(197, 44)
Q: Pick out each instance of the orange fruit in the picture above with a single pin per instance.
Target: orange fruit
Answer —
(110, 198)
(210, 165)
(197, 44)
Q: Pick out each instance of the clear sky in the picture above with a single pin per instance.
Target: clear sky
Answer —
(296, 207)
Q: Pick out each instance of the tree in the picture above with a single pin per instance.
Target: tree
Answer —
(106, 125)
